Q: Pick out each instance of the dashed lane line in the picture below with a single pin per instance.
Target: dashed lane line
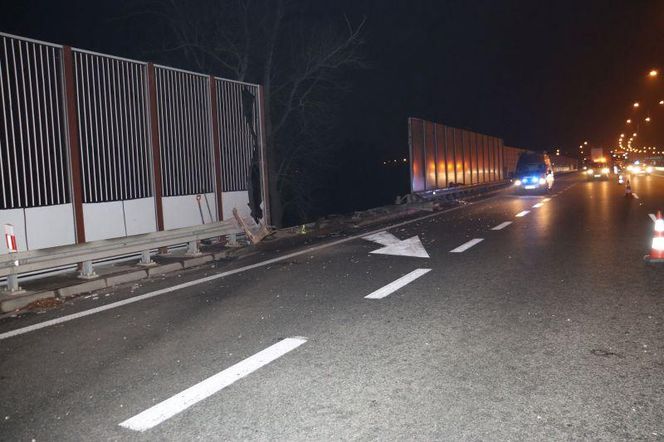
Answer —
(467, 245)
(396, 285)
(522, 213)
(538, 205)
(635, 195)
(501, 226)
(157, 414)
(308, 250)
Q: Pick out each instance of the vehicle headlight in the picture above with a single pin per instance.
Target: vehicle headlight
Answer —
(542, 181)
(649, 169)
(517, 182)
(605, 171)
(590, 172)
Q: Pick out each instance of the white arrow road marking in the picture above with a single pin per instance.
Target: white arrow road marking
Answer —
(465, 246)
(652, 217)
(396, 285)
(523, 213)
(153, 416)
(501, 226)
(394, 246)
(384, 238)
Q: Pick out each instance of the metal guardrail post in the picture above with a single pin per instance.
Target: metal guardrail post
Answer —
(192, 249)
(146, 259)
(231, 240)
(87, 270)
(12, 284)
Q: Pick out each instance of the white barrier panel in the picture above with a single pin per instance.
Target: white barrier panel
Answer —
(239, 200)
(140, 216)
(103, 220)
(184, 211)
(50, 226)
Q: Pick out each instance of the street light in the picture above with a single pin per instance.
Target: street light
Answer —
(653, 73)
(647, 119)
(636, 104)
(629, 121)
(585, 142)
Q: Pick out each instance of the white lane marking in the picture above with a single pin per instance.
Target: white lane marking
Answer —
(60, 320)
(652, 217)
(465, 246)
(157, 414)
(546, 199)
(383, 238)
(501, 226)
(635, 195)
(523, 213)
(396, 285)
(408, 247)
(538, 205)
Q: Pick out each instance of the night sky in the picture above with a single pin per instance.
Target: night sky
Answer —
(538, 74)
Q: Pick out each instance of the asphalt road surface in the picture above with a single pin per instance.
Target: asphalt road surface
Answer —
(550, 327)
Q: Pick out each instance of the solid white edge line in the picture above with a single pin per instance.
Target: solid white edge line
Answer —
(396, 285)
(467, 245)
(522, 213)
(164, 410)
(502, 225)
(30, 328)
(652, 217)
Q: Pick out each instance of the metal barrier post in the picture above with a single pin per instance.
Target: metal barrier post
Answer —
(146, 259)
(231, 240)
(12, 284)
(192, 249)
(12, 279)
(87, 271)
(73, 142)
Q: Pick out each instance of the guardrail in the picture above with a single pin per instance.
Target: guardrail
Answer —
(14, 264)
(450, 193)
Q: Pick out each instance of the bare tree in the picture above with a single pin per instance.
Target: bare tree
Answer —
(297, 56)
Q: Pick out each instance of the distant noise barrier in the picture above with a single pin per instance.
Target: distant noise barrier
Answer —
(442, 156)
(95, 147)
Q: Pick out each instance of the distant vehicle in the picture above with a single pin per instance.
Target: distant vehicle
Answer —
(597, 171)
(639, 168)
(597, 155)
(533, 173)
